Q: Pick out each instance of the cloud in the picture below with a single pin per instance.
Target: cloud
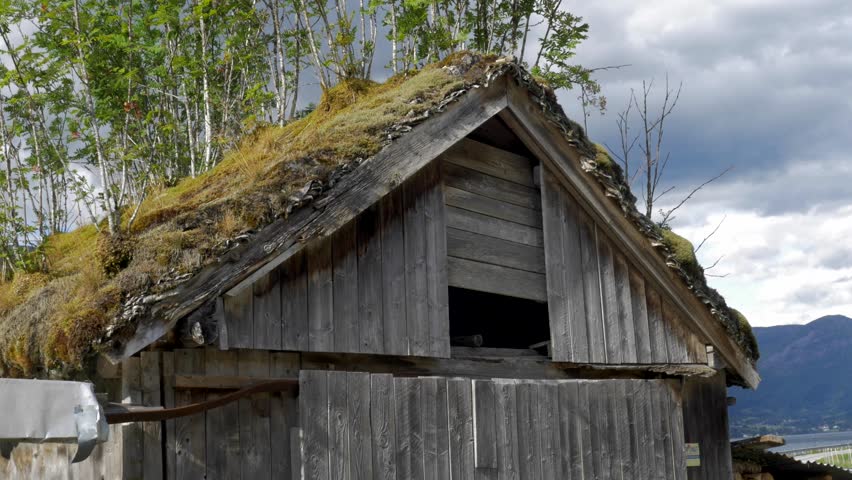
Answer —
(765, 89)
(763, 81)
(778, 267)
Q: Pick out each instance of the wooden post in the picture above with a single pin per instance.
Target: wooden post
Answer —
(152, 455)
(132, 434)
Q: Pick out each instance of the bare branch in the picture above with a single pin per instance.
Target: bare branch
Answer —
(713, 265)
(716, 276)
(668, 214)
(710, 234)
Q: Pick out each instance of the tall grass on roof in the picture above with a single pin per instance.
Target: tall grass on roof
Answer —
(51, 321)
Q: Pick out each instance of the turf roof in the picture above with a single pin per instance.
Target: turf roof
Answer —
(51, 322)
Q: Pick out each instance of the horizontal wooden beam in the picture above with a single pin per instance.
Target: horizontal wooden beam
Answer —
(470, 363)
(121, 413)
(223, 382)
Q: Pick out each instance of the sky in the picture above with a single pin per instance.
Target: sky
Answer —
(765, 91)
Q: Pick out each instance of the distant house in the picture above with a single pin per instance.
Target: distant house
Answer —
(479, 299)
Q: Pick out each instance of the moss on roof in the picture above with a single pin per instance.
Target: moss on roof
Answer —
(747, 338)
(52, 321)
(683, 252)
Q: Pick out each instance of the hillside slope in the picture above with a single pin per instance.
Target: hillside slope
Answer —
(807, 380)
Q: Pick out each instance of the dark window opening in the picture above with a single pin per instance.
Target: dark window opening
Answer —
(503, 322)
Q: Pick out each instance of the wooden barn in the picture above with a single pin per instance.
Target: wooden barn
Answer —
(478, 300)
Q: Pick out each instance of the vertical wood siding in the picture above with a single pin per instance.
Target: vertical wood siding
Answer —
(250, 438)
(705, 422)
(601, 308)
(378, 285)
(490, 429)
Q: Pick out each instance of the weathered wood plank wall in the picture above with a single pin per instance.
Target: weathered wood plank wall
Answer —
(705, 421)
(493, 429)
(602, 310)
(494, 235)
(378, 285)
(53, 461)
(246, 439)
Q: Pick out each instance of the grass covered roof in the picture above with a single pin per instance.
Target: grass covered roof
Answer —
(53, 321)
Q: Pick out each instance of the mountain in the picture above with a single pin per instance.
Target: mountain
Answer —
(807, 380)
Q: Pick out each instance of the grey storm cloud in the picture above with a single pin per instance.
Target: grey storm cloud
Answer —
(765, 90)
(764, 83)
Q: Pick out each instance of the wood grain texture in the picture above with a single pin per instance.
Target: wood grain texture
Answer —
(383, 426)
(360, 443)
(472, 181)
(190, 432)
(460, 417)
(659, 347)
(489, 278)
(266, 308)
(443, 428)
(254, 413)
(674, 408)
(675, 335)
(484, 423)
(222, 434)
(346, 288)
(169, 425)
(573, 273)
(283, 414)
(592, 290)
(474, 222)
(410, 460)
(507, 430)
(623, 427)
(705, 421)
(639, 310)
(491, 161)
(529, 442)
(416, 283)
(570, 430)
(436, 263)
(294, 304)
(369, 326)
(429, 408)
(153, 431)
(239, 317)
(394, 325)
(494, 251)
(132, 435)
(474, 202)
(628, 344)
(609, 298)
(339, 456)
(313, 417)
(548, 418)
(320, 298)
(560, 316)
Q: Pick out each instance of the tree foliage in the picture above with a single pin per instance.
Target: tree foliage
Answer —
(102, 100)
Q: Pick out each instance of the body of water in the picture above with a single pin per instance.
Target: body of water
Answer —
(814, 440)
